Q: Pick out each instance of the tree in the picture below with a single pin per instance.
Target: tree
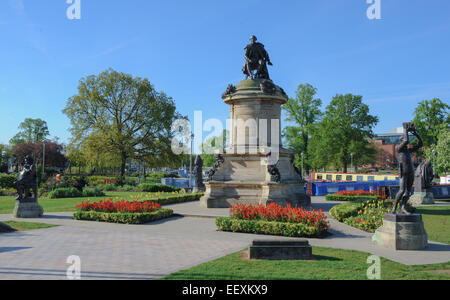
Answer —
(54, 153)
(5, 156)
(131, 116)
(431, 117)
(31, 131)
(439, 154)
(344, 130)
(304, 110)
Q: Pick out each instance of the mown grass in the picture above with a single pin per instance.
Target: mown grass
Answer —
(25, 226)
(69, 204)
(437, 222)
(328, 264)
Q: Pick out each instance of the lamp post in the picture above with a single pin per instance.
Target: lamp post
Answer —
(43, 158)
(190, 160)
(303, 167)
(352, 162)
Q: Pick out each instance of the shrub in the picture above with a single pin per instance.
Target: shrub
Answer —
(8, 192)
(7, 181)
(155, 187)
(123, 218)
(266, 227)
(180, 198)
(93, 192)
(110, 187)
(343, 211)
(70, 192)
(336, 197)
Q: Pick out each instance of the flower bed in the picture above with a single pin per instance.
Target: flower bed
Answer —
(274, 220)
(353, 196)
(366, 215)
(122, 211)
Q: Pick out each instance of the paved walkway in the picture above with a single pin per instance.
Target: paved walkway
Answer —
(115, 251)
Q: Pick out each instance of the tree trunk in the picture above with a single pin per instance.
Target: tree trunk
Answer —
(123, 157)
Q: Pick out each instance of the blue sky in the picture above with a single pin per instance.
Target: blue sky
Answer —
(193, 49)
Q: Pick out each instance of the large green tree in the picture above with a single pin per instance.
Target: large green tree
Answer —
(430, 118)
(212, 145)
(343, 132)
(439, 154)
(304, 111)
(31, 131)
(131, 116)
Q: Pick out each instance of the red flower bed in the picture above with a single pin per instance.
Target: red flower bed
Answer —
(357, 193)
(123, 206)
(278, 213)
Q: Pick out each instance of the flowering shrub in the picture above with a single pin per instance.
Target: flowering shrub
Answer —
(357, 193)
(122, 206)
(274, 219)
(369, 216)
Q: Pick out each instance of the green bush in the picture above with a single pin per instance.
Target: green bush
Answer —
(8, 192)
(107, 187)
(124, 218)
(335, 197)
(180, 198)
(155, 187)
(70, 192)
(343, 211)
(93, 192)
(7, 181)
(266, 227)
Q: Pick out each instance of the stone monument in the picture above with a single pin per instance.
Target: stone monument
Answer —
(423, 181)
(27, 188)
(403, 231)
(255, 168)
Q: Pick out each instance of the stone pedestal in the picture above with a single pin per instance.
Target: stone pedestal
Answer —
(280, 250)
(420, 198)
(401, 232)
(247, 172)
(28, 208)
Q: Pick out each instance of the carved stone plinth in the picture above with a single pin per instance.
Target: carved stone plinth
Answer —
(242, 174)
(401, 232)
(420, 198)
(280, 250)
(28, 208)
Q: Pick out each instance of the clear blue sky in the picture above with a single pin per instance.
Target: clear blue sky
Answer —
(193, 49)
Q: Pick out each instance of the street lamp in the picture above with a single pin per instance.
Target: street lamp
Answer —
(352, 162)
(43, 157)
(190, 159)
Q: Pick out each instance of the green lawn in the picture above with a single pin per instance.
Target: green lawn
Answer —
(68, 205)
(24, 226)
(334, 264)
(437, 222)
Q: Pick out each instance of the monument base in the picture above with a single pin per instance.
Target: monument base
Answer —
(27, 209)
(420, 198)
(401, 232)
(243, 179)
(280, 250)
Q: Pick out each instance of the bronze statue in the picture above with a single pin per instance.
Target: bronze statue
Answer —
(424, 177)
(406, 166)
(198, 174)
(256, 59)
(27, 180)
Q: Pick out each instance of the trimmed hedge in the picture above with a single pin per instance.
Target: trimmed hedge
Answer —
(124, 218)
(70, 192)
(266, 227)
(155, 187)
(7, 181)
(335, 197)
(346, 210)
(93, 192)
(180, 198)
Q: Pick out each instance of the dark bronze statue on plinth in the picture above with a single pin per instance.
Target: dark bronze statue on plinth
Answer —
(27, 189)
(199, 186)
(256, 60)
(406, 166)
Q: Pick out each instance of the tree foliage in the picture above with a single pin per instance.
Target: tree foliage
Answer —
(31, 131)
(54, 153)
(344, 130)
(430, 118)
(439, 154)
(131, 117)
(304, 111)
